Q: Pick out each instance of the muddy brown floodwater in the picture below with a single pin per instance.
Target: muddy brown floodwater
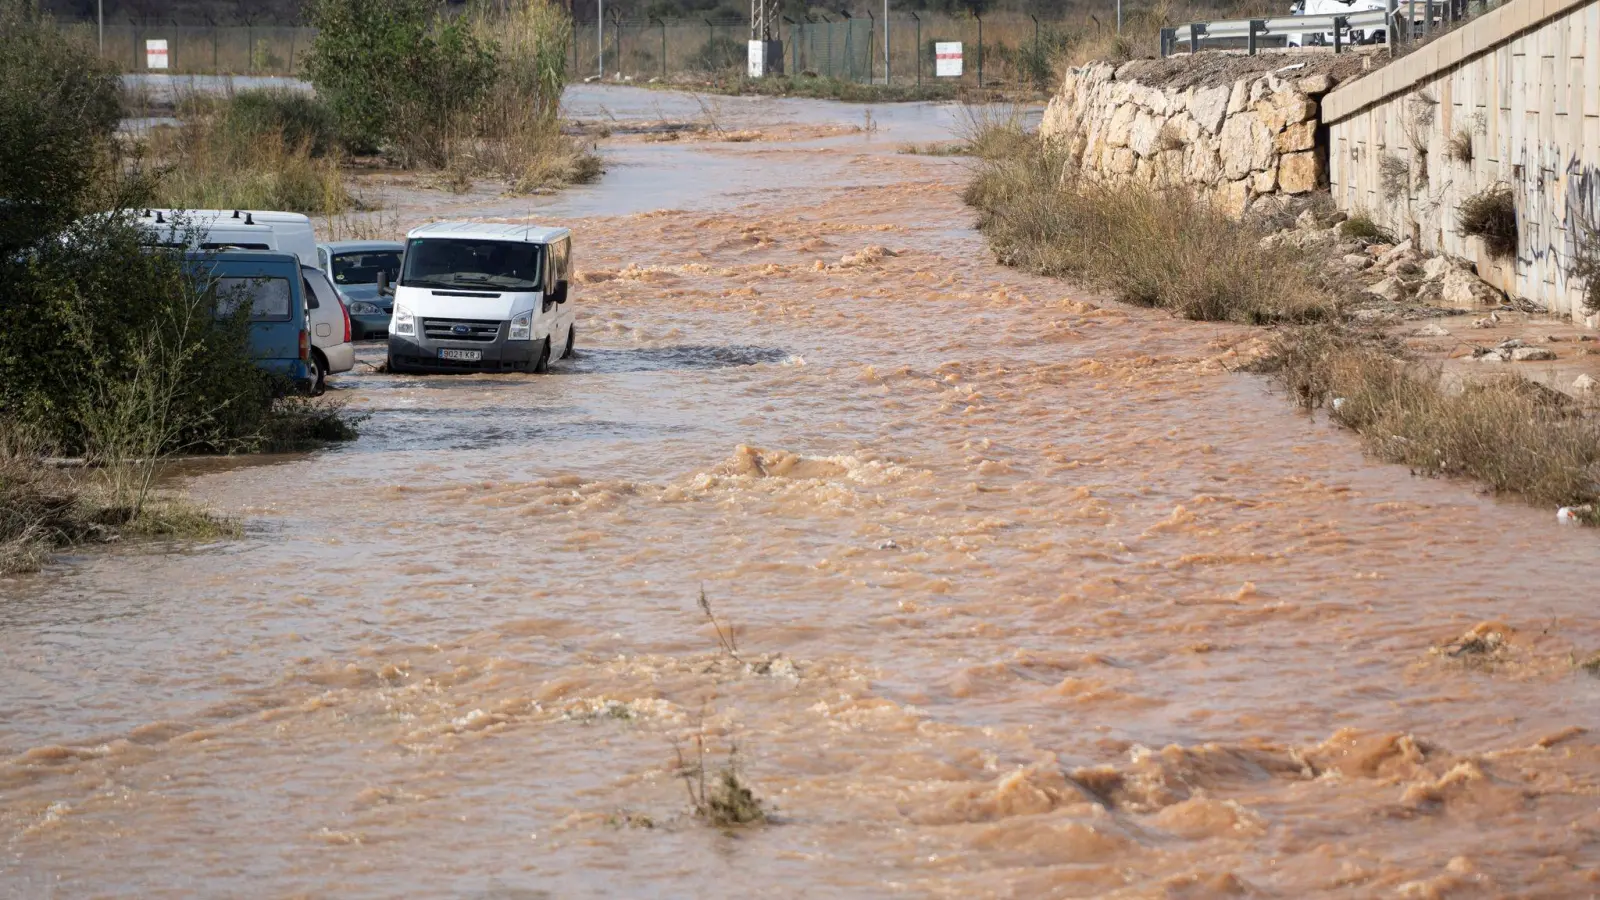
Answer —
(1034, 595)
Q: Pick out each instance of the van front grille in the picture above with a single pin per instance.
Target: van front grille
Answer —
(481, 330)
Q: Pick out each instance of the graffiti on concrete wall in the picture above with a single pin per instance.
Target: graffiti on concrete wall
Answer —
(1558, 203)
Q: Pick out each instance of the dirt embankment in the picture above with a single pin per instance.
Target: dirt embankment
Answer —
(1210, 69)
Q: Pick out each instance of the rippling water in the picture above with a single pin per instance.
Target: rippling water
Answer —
(1033, 595)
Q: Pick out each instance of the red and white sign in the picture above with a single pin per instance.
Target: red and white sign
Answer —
(155, 54)
(947, 59)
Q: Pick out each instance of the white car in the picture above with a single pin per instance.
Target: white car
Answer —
(329, 321)
(482, 297)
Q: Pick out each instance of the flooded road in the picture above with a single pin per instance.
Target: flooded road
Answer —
(1033, 595)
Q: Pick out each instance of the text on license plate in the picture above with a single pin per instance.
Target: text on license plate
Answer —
(463, 355)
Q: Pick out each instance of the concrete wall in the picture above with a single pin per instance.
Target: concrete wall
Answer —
(1237, 141)
(1523, 82)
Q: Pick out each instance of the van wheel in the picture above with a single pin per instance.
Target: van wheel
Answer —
(572, 333)
(319, 373)
(541, 364)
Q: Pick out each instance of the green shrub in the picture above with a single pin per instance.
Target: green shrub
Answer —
(59, 105)
(1361, 227)
(298, 118)
(719, 54)
(1491, 214)
(395, 73)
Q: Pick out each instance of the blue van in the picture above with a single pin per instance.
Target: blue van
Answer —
(280, 338)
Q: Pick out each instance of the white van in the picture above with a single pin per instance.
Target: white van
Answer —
(288, 232)
(482, 297)
(185, 229)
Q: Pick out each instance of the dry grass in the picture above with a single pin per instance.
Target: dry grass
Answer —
(1510, 434)
(1394, 176)
(1491, 214)
(1459, 146)
(45, 508)
(1150, 247)
(225, 154)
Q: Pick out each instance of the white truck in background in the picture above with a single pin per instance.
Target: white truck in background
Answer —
(1335, 8)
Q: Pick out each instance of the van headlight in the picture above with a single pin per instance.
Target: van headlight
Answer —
(404, 322)
(521, 327)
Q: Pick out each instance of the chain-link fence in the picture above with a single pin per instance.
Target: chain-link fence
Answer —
(996, 49)
(1001, 48)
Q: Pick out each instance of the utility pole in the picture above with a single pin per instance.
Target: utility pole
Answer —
(1119, 16)
(100, 17)
(600, 26)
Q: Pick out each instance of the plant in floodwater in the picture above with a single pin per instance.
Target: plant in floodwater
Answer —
(725, 636)
(725, 801)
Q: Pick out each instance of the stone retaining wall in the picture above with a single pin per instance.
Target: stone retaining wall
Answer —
(1257, 136)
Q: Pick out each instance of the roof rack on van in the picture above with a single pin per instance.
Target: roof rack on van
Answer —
(159, 219)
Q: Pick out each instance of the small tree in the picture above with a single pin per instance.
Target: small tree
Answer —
(396, 74)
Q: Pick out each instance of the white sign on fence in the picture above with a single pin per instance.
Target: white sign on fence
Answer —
(947, 59)
(155, 54)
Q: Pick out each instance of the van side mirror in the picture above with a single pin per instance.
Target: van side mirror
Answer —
(560, 292)
(383, 281)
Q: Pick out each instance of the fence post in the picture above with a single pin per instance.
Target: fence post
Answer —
(1340, 23)
(980, 49)
(1250, 42)
(1165, 41)
(888, 76)
(872, 41)
(1196, 31)
(918, 20)
(663, 25)
(794, 47)
(849, 32)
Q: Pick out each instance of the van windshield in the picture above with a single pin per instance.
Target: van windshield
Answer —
(472, 265)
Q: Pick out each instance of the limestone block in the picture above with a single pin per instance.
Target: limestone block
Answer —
(1265, 181)
(1247, 145)
(1122, 161)
(1316, 85)
(1238, 97)
(1203, 164)
(1209, 107)
(1279, 110)
(1169, 166)
(1464, 290)
(1299, 173)
(1233, 197)
(1117, 131)
(1144, 136)
(1297, 137)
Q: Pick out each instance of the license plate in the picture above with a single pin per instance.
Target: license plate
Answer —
(463, 355)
